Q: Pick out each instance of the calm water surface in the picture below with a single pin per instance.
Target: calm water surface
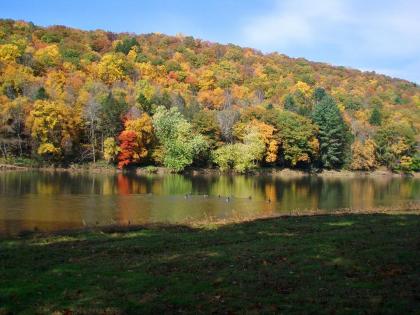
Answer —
(53, 201)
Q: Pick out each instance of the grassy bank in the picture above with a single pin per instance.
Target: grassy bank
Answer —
(315, 264)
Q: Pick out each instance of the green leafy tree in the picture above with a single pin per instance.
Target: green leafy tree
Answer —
(394, 143)
(234, 156)
(224, 156)
(205, 122)
(333, 133)
(298, 138)
(180, 144)
(241, 157)
(255, 147)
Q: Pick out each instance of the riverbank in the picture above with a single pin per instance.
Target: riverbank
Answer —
(355, 263)
(103, 167)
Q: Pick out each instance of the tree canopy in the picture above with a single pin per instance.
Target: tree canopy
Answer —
(68, 95)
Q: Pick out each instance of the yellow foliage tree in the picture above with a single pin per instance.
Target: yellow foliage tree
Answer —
(111, 149)
(267, 133)
(143, 127)
(52, 127)
(212, 99)
(48, 56)
(303, 88)
(9, 53)
(363, 155)
(206, 80)
(112, 68)
(55, 84)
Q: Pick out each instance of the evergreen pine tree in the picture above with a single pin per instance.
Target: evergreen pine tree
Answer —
(41, 94)
(376, 117)
(319, 94)
(289, 103)
(333, 133)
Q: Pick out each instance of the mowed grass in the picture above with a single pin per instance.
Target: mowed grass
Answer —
(345, 264)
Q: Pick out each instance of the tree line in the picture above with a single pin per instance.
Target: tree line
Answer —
(70, 96)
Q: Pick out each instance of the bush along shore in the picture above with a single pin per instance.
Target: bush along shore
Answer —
(334, 264)
(102, 166)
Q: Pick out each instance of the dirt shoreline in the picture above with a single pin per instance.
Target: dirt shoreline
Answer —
(272, 171)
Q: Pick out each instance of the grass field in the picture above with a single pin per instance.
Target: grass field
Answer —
(342, 264)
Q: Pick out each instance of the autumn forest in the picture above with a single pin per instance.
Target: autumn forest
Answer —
(69, 96)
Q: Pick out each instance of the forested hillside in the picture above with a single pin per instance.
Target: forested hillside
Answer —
(73, 96)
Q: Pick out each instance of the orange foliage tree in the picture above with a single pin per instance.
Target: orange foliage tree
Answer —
(129, 148)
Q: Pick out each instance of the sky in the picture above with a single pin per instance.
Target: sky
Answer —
(374, 35)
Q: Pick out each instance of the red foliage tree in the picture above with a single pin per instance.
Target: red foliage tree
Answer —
(129, 146)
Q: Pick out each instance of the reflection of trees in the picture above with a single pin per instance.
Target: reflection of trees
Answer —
(392, 191)
(61, 199)
(295, 193)
(362, 194)
(108, 187)
(129, 184)
(203, 184)
(239, 186)
(175, 184)
(123, 184)
(333, 193)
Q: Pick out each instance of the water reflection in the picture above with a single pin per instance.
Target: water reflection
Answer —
(50, 201)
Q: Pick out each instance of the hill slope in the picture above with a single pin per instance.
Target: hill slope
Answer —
(64, 91)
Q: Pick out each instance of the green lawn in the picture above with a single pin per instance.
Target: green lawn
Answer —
(346, 264)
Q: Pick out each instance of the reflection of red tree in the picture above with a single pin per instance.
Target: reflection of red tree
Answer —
(123, 184)
(129, 208)
(124, 208)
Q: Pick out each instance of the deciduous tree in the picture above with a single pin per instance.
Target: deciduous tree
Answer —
(179, 142)
(52, 128)
(298, 139)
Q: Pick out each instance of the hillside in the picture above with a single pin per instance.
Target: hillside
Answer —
(73, 96)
